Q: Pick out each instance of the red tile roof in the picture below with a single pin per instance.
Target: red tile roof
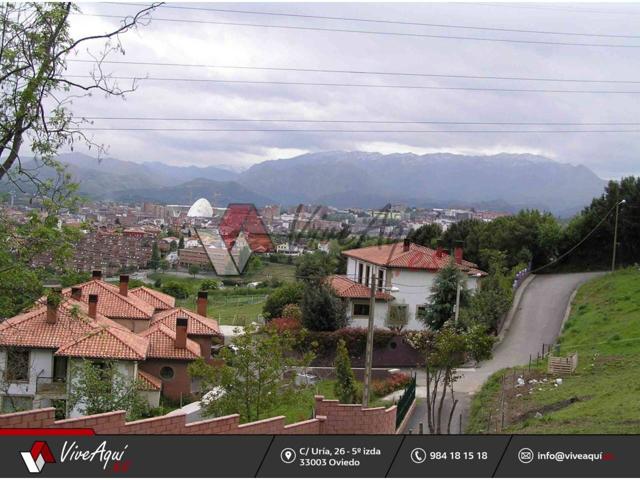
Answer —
(148, 382)
(107, 342)
(197, 324)
(111, 304)
(31, 329)
(347, 288)
(416, 258)
(159, 300)
(162, 344)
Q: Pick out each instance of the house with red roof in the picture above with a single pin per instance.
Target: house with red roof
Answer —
(402, 274)
(139, 331)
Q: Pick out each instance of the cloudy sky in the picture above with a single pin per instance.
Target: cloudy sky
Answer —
(187, 36)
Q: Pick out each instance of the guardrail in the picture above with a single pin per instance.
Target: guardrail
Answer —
(405, 401)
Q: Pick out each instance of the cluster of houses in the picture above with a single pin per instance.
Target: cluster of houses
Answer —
(147, 338)
(140, 331)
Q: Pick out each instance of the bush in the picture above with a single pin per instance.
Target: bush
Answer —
(211, 284)
(287, 294)
(397, 381)
(292, 311)
(322, 309)
(355, 340)
(345, 387)
(282, 324)
(176, 290)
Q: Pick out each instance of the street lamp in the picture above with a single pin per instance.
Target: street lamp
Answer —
(615, 235)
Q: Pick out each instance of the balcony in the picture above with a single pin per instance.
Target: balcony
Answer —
(51, 387)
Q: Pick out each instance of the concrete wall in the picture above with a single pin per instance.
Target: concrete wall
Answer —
(179, 385)
(331, 418)
(40, 365)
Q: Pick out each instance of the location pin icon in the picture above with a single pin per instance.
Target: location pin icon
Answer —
(287, 454)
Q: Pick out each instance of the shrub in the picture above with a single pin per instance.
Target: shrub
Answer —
(209, 284)
(322, 309)
(355, 340)
(284, 324)
(292, 311)
(287, 294)
(397, 381)
(345, 387)
(176, 290)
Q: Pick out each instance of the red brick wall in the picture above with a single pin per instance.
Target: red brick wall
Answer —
(331, 418)
(179, 384)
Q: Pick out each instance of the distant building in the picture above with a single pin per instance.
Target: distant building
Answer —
(201, 209)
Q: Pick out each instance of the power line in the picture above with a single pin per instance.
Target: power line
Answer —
(143, 129)
(390, 22)
(371, 32)
(352, 72)
(399, 122)
(553, 8)
(359, 85)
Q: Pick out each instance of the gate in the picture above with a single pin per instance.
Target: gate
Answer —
(405, 401)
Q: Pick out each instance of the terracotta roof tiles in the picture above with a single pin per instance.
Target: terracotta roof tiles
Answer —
(162, 341)
(107, 342)
(159, 300)
(197, 324)
(347, 288)
(148, 382)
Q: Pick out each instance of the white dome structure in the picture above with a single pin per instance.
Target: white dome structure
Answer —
(201, 208)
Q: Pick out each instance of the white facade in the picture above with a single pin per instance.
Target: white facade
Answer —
(410, 289)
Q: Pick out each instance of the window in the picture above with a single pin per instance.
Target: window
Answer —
(420, 311)
(380, 279)
(167, 373)
(360, 268)
(360, 309)
(59, 368)
(17, 365)
(397, 316)
(16, 404)
(367, 278)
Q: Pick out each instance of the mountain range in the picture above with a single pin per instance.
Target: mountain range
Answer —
(351, 179)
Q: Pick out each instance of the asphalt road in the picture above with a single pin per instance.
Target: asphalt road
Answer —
(538, 321)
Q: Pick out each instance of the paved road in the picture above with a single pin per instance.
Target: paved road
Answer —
(538, 321)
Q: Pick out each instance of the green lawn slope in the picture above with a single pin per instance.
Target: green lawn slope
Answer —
(603, 396)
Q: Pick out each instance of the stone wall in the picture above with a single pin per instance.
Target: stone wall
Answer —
(331, 418)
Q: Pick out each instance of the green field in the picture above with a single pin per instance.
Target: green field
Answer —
(603, 394)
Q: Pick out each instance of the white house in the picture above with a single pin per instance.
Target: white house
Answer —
(404, 274)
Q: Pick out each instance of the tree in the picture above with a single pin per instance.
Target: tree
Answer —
(99, 387)
(173, 246)
(286, 294)
(446, 350)
(493, 298)
(345, 387)
(426, 235)
(176, 290)
(36, 91)
(247, 384)
(442, 300)
(314, 267)
(181, 242)
(163, 264)
(209, 284)
(155, 256)
(292, 311)
(322, 309)
(194, 270)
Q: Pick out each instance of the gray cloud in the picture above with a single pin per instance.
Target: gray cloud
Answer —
(608, 154)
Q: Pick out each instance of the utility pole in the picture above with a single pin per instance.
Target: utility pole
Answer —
(458, 288)
(369, 352)
(615, 234)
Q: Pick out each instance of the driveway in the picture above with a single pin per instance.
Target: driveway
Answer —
(538, 321)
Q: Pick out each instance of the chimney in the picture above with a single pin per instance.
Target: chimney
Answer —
(124, 285)
(457, 252)
(76, 293)
(202, 303)
(52, 310)
(96, 274)
(439, 251)
(181, 332)
(406, 245)
(93, 305)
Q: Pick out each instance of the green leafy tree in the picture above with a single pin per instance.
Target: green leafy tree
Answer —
(173, 246)
(99, 387)
(209, 284)
(345, 388)
(163, 265)
(322, 309)
(155, 256)
(314, 267)
(194, 270)
(442, 300)
(176, 290)
(426, 235)
(289, 293)
(292, 311)
(181, 242)
(247, 384)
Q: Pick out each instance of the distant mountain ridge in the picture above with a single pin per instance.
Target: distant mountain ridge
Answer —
(350, 179)
(371, 180)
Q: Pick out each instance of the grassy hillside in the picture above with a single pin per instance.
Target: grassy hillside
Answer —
(602, 396)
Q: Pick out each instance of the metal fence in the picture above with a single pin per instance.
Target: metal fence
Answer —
(405, 401)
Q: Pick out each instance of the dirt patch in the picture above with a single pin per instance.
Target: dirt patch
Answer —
(552, 407)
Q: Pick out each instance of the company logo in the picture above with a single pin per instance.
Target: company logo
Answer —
(36, 458)
(241, 232)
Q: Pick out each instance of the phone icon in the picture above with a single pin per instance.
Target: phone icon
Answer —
(418, 455)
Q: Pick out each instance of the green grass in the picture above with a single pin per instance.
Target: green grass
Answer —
(602, 395)
(300, 409)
